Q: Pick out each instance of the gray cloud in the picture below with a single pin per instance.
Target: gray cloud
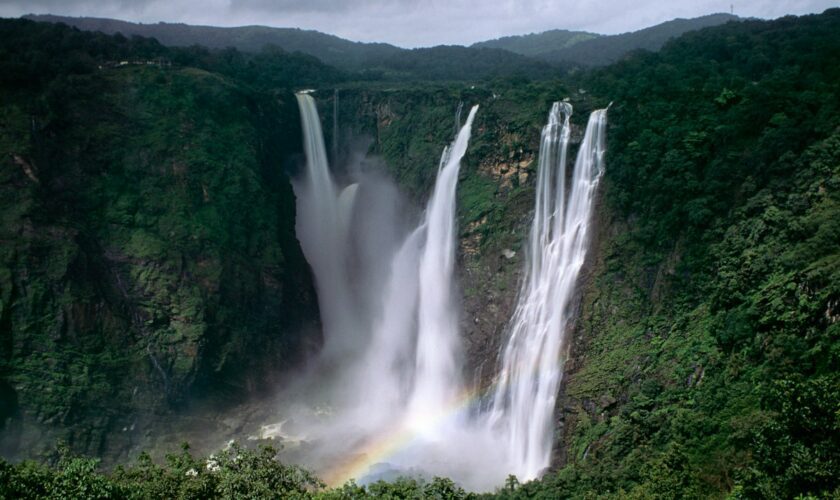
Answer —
(412, 23)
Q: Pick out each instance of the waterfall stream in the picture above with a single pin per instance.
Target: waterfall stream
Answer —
(533, 360)
(403, 404)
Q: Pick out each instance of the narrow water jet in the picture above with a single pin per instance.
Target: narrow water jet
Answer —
(335, 127)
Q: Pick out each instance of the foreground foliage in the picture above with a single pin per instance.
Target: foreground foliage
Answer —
(233, 473)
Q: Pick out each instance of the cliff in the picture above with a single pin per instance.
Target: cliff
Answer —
(149, 261)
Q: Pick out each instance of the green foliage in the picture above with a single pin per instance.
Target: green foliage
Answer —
(233, 473)
(148, 235)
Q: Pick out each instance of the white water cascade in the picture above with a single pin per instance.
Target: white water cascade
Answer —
(393, 346)
(386, 290)
(410, 370)
(533, 360)
(438, 378)
(322, 228)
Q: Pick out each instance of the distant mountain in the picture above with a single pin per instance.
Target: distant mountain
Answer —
(455, 62)
(531, 54)
(604, 50)
(591, 49)
(539, 44)
(372, 59)
(328, 48)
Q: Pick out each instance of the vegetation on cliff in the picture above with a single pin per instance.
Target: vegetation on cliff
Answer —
(148, 253)
(707, 361)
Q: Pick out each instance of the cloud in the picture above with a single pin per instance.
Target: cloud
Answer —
(412, 23)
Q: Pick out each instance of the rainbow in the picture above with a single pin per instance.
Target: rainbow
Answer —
(387, 444)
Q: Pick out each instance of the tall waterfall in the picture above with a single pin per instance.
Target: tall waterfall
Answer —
(319, 229)
(437, 375)
(396, 364)
(532, 364)
(390, 317)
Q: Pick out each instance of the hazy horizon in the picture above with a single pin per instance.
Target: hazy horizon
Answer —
(409, 23)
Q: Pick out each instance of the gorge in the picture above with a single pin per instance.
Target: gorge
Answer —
(407, 383)
(187, 255)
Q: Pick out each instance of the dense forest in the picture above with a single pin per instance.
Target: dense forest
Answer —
(722, 161)
(705, 355)
(148, 233)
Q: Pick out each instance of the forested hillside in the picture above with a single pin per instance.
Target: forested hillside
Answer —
(149, 257)
(537, 55)
(367, 61)
(706, 357)
(605, 50)
(538, 44)
(578, 48)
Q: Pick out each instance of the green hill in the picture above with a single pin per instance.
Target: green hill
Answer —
(328, 48)
(538, 44)
(604, 50)
(369, 61)
(591, 49)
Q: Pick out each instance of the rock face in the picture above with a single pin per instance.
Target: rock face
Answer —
(148, 255)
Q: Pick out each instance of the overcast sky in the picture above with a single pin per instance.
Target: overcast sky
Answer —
(414, 23)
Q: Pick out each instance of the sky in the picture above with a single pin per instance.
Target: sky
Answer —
(417, 23)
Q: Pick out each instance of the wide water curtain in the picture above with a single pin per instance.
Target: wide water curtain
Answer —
(532, 364)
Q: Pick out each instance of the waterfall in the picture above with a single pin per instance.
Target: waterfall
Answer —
(392, 344)
(322, 228)
(458, 117)
(436, 373)
(411, 364)
(533, 359)
(403, 372)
